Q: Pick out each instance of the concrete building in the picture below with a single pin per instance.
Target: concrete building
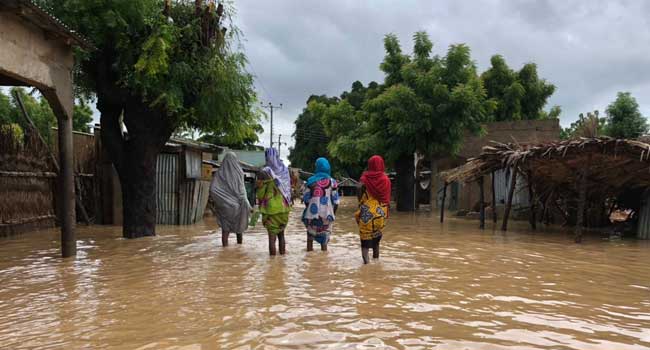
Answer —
(466, 196)
(36, 50)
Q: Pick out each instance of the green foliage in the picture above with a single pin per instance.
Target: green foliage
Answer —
(426, 104)
(517, 95)
(590, 125)
(311, 140)
(14, 130)
(39, 111)
(82, 116)
(175, 61)
(246, 138)
(624, 120)
(5, 109)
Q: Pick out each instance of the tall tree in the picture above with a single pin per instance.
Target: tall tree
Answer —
(158, 65)
(518, 95)
(425, 105)
(624, 120)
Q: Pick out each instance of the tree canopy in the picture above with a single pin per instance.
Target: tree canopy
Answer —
(517, 95)
(311, 140)
(158, 65)
(39, 111)
(425, 104)
(624, 120)
(590, 125)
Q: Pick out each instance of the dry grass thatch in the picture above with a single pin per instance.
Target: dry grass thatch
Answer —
(611, 164)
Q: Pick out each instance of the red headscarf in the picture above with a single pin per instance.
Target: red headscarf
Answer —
(376, 182)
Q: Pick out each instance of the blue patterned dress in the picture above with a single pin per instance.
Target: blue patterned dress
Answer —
(318, 216)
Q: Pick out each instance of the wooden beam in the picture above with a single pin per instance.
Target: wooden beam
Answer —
(27, 174)
(531, 198)
(511, 192)
(442, 204)
(582, 198)
(494, 201)
(482, 204)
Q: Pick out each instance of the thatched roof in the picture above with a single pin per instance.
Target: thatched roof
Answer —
(612, 164)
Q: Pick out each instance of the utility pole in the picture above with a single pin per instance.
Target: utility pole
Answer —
(280, 143)
(271, 107)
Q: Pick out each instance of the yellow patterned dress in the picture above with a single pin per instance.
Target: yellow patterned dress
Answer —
(371, 217)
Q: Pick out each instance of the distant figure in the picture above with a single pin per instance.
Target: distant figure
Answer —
(374, 204)
(321, 199)
(228, 193)
(274, 196)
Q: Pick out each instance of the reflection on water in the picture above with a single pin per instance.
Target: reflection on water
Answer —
(435, 287)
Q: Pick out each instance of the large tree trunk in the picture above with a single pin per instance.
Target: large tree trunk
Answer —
(138, 180)
(405, 180)
(134, 158)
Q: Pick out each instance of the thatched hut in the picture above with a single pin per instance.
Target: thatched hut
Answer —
(571, 177)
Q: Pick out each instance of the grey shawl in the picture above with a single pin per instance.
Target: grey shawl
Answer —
(228, 193)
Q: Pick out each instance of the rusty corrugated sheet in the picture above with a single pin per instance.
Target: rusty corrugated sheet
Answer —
(167, 188)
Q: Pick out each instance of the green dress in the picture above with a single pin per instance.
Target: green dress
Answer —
(274, 208)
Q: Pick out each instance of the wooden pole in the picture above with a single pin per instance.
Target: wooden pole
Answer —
(78, 201)
(66, 176)
(511, 192)
(531, 198)
(433, 186)
(494, 201)
(582, 197)
(482, 204)
(442, 204)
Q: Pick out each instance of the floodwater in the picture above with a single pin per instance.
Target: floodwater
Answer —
(435, 287)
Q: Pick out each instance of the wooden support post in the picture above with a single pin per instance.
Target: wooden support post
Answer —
(482, 204)
(582, 198)
(442, 204)
(511, 192)
(66, 182)
(433, 186)
(531, 199)
(494, 201)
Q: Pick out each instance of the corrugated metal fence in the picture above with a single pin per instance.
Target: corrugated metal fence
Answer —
(181, 200)
(167, 188)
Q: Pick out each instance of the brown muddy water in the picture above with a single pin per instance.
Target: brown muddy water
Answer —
(435, 287)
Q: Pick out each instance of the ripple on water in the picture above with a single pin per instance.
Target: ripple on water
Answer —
(435, 287)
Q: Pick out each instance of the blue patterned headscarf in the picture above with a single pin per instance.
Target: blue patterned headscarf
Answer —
(323, 171)
(282, 178)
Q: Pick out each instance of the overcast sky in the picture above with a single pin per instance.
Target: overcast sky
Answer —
(588, 49)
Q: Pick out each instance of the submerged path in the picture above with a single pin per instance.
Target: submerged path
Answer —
(435, 287)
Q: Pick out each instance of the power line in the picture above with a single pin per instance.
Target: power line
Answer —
(271, 107)
(259, 78)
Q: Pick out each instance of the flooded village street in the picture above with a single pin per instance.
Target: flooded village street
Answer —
(435, 287)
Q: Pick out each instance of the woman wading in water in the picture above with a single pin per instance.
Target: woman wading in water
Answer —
(374, 203)
(321, 199)
(228, 194)
(274, 196)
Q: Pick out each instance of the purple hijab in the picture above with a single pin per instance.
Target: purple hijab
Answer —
(281, 171)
